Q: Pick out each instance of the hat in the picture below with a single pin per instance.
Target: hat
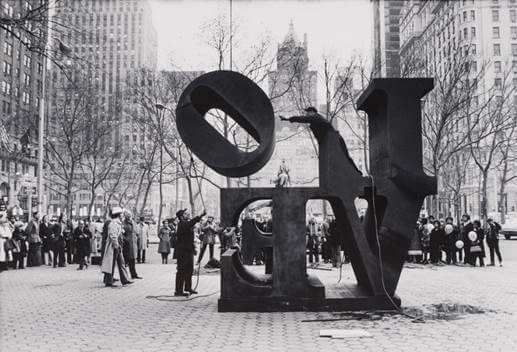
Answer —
(179, 213)
(310, 109)
(116, 210)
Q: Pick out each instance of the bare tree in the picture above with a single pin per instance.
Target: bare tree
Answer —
(507, 165)
(496, 120)
(79, 126)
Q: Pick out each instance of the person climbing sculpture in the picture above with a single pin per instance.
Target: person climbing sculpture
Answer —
(319, 126)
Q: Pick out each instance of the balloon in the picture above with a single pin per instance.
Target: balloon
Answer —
(459, 244)
(473, 236)
(448, 229)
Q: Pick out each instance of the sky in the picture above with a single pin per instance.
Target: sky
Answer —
(339, 28)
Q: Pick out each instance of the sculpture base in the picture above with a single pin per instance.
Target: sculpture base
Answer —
(338, 298)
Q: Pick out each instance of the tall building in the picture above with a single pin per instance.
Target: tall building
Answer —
(110, 40)
(292, 87)
(386, 37)
(435, 35)
(21, 89)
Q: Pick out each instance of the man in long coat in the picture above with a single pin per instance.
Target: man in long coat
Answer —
(130, 248)
(112, 251)
(185, 249)
(142, 234)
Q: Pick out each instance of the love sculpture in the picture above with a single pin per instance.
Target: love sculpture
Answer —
(396, 190)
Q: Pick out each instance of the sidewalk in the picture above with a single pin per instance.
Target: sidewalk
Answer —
(45, 309)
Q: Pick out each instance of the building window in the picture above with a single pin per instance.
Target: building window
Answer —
(497, 66)
(6, 108)
(6, 88)
(514, 66)
(498, 83)
(513, 16)
(473, 32)
(8, 49)
(514, 49)
(472, 15)
(495, 15)
(465, 33)
(514, 81)
(27, 61)
(464, 16)
(497, 49)
(495, 33)
(7, 68)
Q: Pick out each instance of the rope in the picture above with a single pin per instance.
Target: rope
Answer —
(171, 298)
(381, 267)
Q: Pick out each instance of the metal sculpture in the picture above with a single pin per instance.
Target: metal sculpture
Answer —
(394, 192)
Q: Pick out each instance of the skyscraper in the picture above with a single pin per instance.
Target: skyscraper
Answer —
(110, 42)
(386, 38)
(292, 87)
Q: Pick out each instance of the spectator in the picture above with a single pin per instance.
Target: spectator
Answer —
(130, 247)
(451, 236)
(34, 239)
(60, 241)
(82, 240)
(492, 240)
(112, 254)
(164, 247)
(415, 247)
(6, 243)
(425, 240)
(435, 242)
(466, 227)
(334, 240)
(477, 249)
(208, 232)
(70, 245)
(142, 234)
(313, 242)
(47, 239)
(19, 243)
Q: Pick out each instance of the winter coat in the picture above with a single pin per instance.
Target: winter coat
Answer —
(165, 241)
(130, 240)
(113, 239)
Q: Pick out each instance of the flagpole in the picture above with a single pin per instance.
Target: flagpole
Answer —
(41, 118)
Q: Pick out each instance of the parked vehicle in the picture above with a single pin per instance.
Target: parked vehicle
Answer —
(509, 229)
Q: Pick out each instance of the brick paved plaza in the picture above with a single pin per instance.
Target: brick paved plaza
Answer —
(45, 309)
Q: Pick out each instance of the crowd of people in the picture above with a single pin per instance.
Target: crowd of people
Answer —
(441, 242)
(61, 241)
(53, 241)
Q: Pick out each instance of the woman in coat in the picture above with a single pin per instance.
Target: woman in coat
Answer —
(165, 241)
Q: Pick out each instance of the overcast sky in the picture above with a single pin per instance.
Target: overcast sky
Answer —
(337, 27)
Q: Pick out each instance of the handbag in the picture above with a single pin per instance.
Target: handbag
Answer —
(476, 249)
